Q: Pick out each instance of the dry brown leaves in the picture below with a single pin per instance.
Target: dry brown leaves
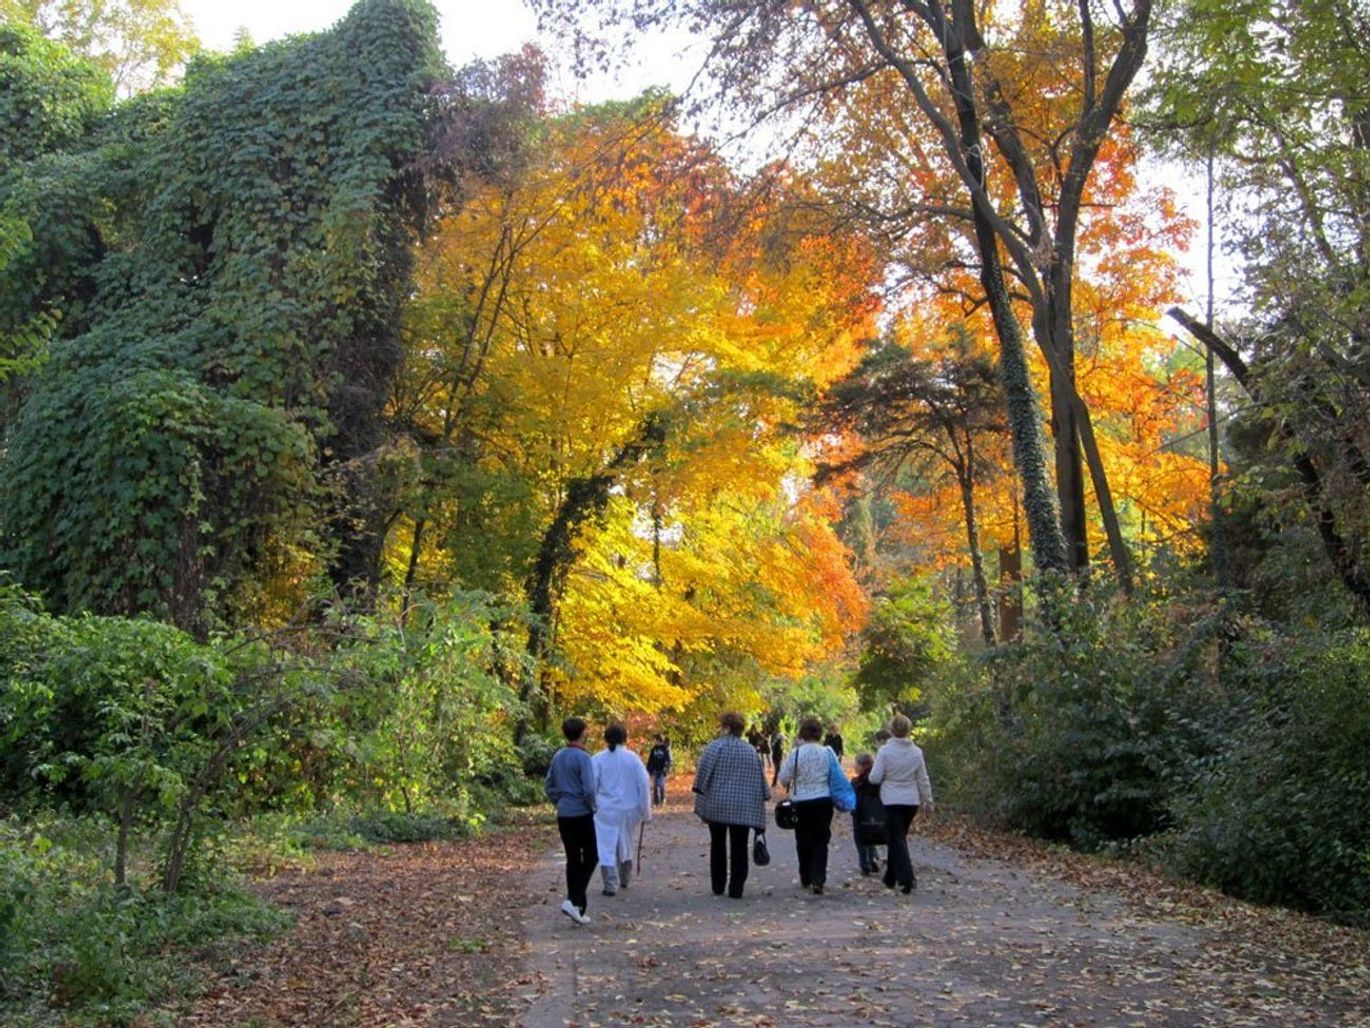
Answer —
(424, 934)
(1286, 953)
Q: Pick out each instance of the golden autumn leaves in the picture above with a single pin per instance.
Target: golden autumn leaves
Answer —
(627, 273)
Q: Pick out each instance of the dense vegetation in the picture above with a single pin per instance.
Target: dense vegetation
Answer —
(359, 418)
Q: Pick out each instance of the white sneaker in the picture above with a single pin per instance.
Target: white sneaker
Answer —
(572, 911)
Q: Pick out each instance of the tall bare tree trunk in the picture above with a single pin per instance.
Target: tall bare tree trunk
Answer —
(977, 560)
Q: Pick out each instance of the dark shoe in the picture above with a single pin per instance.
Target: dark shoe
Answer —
(867, 871)
(734, 895)
(718, 892)
(818, 890)
(906, 888)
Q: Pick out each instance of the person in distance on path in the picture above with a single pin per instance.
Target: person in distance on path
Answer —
(570, 785)
(805, 775)
(777, 753)
(730, 796)
(904, 790)
(658, 767)
(833, 741)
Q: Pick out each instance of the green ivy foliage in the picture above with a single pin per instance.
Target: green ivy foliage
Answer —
(49, 102)
(48, 97)
(229, 259)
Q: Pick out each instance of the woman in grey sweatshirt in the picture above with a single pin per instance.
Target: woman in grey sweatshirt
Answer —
(571, 786)
(904, 790)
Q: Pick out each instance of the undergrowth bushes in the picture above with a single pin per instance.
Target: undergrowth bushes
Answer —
(145, 764)
(1281, 812)
(76, 949)
(1232, 749)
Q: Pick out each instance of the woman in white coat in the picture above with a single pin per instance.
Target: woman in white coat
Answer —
(904, 790)
(622, 801)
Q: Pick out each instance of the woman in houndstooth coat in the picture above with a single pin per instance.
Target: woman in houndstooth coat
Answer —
(730, 795)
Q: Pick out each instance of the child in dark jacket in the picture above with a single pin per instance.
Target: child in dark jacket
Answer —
(868, 819)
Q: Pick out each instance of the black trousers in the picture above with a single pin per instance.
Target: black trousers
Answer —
(811, 837)
(578, 838)
(898, 865)
(721, 838)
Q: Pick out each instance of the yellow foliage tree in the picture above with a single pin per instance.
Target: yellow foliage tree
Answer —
(608, 357)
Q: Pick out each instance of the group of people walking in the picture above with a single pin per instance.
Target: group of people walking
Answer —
(602, 801)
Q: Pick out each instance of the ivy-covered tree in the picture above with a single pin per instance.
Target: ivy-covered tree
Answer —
(49, 97)
(50, 100)
(229, 259)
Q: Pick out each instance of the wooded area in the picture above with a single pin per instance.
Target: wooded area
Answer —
(361, 417)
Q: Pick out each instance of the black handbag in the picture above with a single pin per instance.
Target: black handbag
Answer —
(761, 855)
(786, 817)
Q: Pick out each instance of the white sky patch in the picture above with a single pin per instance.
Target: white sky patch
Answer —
(471, 29)
(483, 29)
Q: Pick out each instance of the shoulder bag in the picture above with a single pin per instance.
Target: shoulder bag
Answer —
(786, 817)
(841, 791)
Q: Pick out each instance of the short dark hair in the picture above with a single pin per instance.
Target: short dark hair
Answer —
(573, 728)
(732, 723)
(615, 735)
(811, 728)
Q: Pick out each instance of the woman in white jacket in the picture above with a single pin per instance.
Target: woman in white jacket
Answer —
(805, 775)
(622, 800)
(904, 790)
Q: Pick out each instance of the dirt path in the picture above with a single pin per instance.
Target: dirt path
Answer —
(1002, 931)
(981, 942)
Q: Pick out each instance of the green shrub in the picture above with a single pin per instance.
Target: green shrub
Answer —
(1279, 813)
(535, 755)
(1079, 733)
(394, 826)
(75, 949)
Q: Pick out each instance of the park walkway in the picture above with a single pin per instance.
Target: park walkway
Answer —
(981, 942)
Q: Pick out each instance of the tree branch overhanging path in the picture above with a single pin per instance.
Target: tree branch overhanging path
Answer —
(1342, 544)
